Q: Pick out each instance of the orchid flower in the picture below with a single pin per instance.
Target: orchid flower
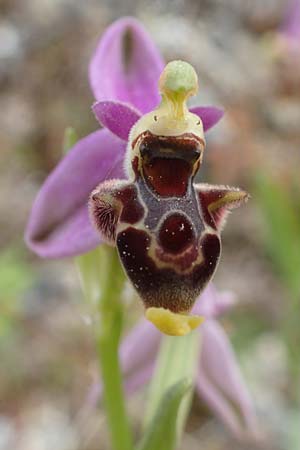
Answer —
(166, 228)
(219, 381)
(123, 73)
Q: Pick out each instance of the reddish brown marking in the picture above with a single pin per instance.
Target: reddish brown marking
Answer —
(147, 134)
(211, 249)
(186, 147)
(167, 177)
(135, 166)
(210, 196)
(183, 261)
(205, 200)
(164, 287)
(132, 210)
(168, 162)
(176, 234)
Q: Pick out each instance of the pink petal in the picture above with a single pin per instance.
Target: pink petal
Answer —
(205, 304)
(224, 301)
(59, 223)
(210, 115)
(220, 382)
(126, 66)
(137, 358)
(290, 27)
(139, 347)
(118, 117)
(132, 383)
(136, 380)
(212, 302)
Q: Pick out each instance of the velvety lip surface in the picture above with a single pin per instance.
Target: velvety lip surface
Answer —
(167, 177)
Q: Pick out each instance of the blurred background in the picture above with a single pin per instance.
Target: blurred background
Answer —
(247, 55)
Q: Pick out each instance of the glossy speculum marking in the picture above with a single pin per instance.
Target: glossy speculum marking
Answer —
(166, 227)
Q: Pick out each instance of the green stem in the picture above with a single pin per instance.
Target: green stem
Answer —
(103, 282)
(113, 392)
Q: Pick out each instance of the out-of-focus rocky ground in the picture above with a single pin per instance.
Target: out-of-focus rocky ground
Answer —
(47, 353)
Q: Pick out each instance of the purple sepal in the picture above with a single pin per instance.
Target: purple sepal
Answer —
(210, 115)
(220, 382)
(59, 223)
(126, 66)
(117, 117)
(213, 303)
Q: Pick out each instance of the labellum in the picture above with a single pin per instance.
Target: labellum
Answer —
(165, 226)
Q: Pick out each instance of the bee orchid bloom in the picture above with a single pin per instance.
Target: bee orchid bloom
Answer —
(218, 382)
(165, 226)
(124, 73)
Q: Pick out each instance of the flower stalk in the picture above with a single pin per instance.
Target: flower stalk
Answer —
(101, 268)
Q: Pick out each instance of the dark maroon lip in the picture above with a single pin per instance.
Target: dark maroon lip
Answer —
(191, 137)
(171, 154)
(168, 177)
(185, 147)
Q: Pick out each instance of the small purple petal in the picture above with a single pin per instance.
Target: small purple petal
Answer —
(220, 382)
(132, 383)
(138, 379)
(59, 224)
(210, 115)
(213, 303)
(290, 27)
(126, 66)
(139, 347)
(137, 359)
(118, 117)
(205, 303)
(223, 302)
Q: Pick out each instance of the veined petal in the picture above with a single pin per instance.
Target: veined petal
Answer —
(210, 115)
(59, 224)
(118, 117)
(126, 66)
(220, 382)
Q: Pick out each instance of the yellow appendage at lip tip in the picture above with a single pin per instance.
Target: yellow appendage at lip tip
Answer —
(173, 324)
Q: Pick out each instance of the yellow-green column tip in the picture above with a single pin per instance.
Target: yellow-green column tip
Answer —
(178, 77)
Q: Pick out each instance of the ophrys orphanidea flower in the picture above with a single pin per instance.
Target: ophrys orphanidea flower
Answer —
(165, 226)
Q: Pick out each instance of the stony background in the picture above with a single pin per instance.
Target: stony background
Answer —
(47, 353)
